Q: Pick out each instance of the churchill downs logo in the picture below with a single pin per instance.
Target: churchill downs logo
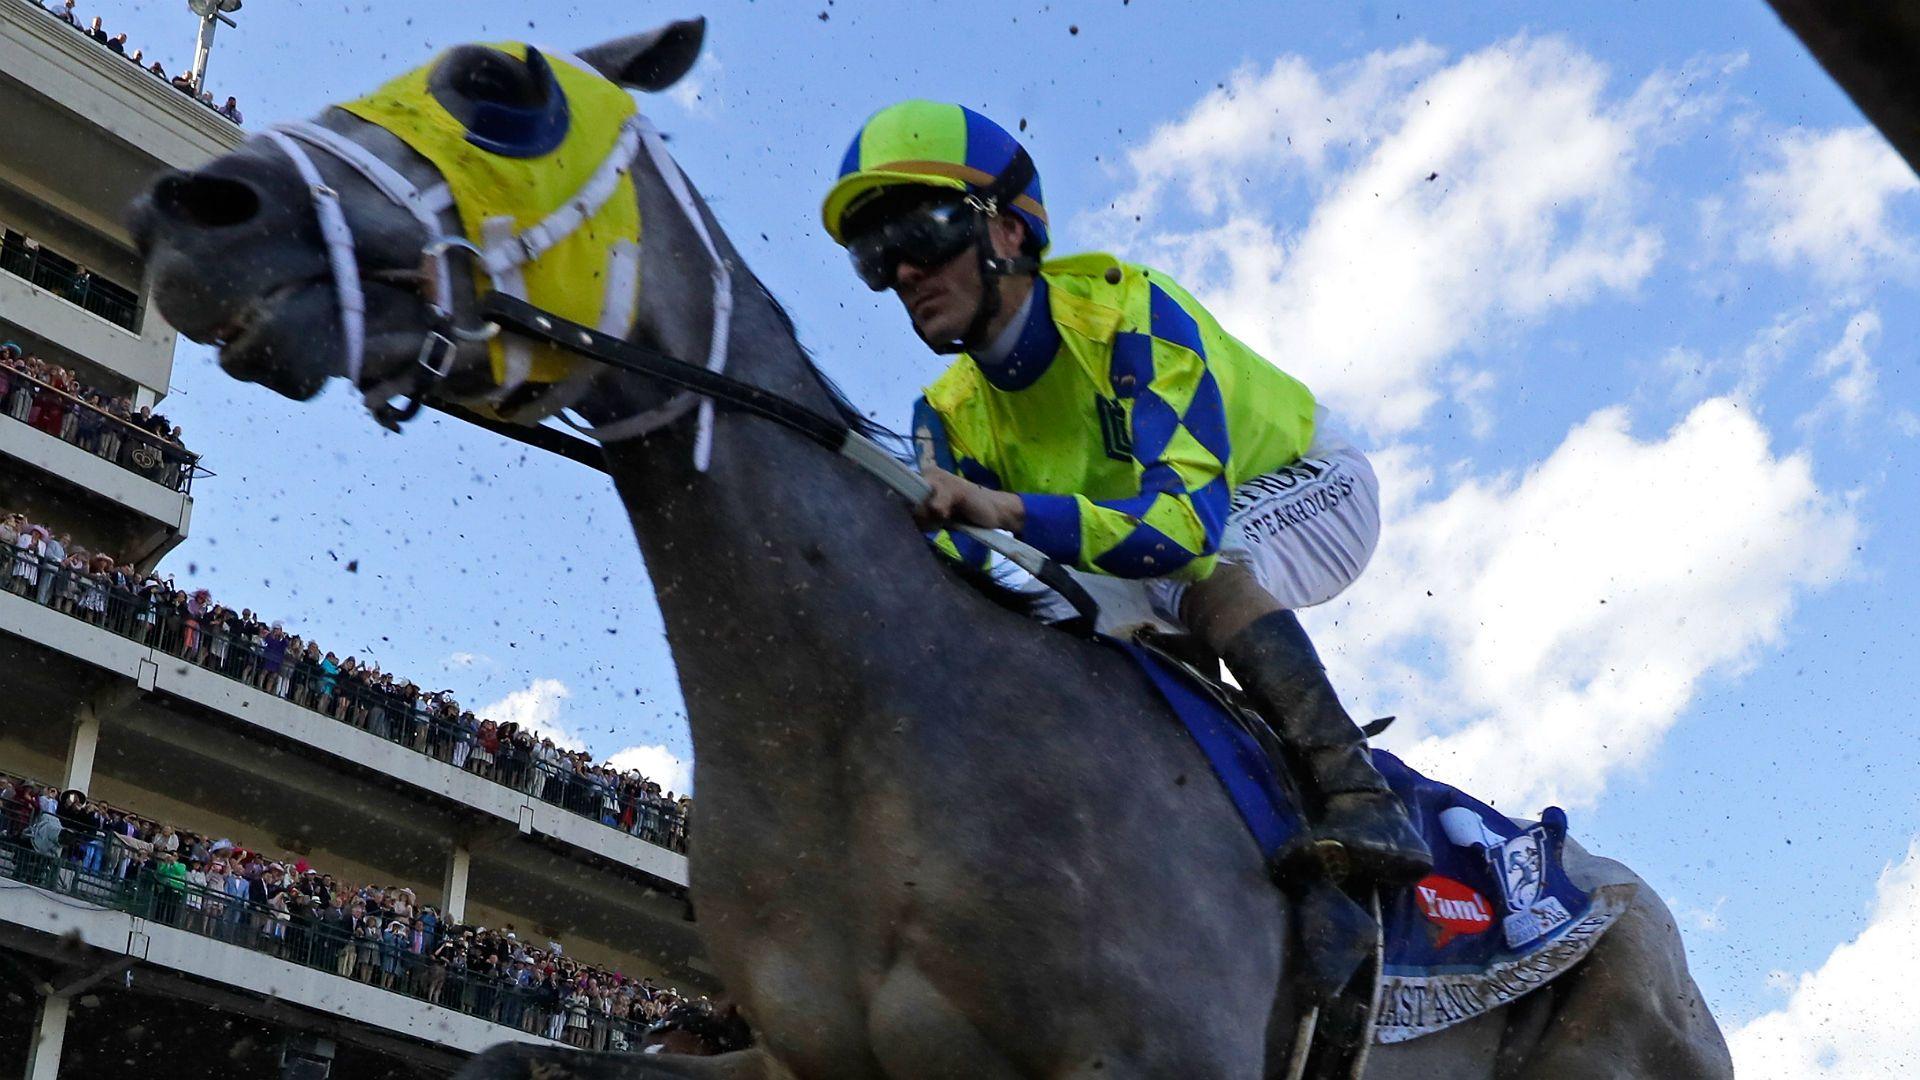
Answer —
(144, 455)
(1300, 492)
(1519, 868)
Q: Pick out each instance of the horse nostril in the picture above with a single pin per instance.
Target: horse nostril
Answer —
(208, 201)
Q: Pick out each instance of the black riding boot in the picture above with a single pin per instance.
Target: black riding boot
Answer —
(1277, 666)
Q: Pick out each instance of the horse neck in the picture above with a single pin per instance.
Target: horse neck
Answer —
(782, 573)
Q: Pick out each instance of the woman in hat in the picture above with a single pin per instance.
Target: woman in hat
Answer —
(29, 546)
(93, 589)
(196, 895)
(198, 605)
(214, 904)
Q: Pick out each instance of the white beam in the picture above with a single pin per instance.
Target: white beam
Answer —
(453, 891)
(49, 1035)
(82, 746)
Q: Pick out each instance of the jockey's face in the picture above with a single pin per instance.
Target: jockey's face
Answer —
(940, 297)
(941, 300)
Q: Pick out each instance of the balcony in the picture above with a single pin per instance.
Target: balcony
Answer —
(112, 439)
(177, 739)
(357, 974)
(152, 617)
(69, 281)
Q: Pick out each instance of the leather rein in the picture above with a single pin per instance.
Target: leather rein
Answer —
(837, 436)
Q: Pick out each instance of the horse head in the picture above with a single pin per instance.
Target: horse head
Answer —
(355, 245)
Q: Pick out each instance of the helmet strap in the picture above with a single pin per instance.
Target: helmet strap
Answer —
(992, 269)
(987, 204)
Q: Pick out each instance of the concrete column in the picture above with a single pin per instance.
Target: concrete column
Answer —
(43, 1059)
(453, 892)
(82, 746)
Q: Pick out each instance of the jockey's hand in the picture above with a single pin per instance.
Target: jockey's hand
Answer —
(955, 500)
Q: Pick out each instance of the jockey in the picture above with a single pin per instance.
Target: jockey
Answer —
(1099, 413)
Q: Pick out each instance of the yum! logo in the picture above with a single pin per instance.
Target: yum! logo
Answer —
(1456, 909)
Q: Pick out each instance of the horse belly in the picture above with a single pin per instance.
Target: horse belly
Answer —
(1029, 937)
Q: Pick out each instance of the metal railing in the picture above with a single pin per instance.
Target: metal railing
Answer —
(97, 431)
(87, 866)
(56, 274)
(152, 616)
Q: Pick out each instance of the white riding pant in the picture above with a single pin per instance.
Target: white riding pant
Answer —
(1305, 532)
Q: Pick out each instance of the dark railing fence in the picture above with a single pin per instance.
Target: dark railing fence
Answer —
(141, 614)
(86, 867)
(99, 432)
(60, 276)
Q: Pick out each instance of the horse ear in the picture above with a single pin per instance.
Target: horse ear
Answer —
(654, 60)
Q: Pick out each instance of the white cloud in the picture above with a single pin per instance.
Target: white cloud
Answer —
(537, 709)
(1826, 204)
(1262, 123)
(1540, 632)
(1848, 1019)
(467, 659)
(1849, 364)
(659, 764)
(1706, 920)
(1530, 207)
(698, 90)
(1691, 376)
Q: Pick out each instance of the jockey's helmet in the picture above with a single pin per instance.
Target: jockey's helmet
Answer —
(930, 144)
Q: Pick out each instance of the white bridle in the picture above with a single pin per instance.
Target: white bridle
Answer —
(501, 252)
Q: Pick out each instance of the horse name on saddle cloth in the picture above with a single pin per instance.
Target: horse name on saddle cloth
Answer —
(1497, 919)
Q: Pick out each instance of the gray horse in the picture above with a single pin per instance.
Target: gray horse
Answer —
(936, 839)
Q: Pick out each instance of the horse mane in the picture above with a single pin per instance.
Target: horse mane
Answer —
(996, 584)
(898, 445)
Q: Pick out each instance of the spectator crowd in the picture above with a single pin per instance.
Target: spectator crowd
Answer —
(382, 935)
(53, 399)
(117, 43)
(50, 569)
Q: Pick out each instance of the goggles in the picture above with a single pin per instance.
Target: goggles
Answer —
(926, 236)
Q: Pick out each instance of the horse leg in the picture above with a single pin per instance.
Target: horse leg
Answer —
(1630, 1010)
(530, 1061)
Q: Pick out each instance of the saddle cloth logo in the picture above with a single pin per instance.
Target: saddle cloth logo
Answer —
(1457, 909)
(1519, 868)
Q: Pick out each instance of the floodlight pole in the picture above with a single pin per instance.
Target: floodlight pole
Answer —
(203, 47)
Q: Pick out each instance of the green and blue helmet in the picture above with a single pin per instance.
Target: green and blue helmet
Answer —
(929, 144)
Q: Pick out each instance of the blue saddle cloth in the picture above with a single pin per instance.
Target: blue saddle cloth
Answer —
(1497, 918)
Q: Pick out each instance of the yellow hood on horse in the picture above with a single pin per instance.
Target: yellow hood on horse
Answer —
(561, 229)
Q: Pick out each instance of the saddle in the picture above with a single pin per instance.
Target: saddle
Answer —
(1380, 967)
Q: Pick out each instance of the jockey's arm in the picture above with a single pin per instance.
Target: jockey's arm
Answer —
(954, 500)
(958, 500)
(1172, 527)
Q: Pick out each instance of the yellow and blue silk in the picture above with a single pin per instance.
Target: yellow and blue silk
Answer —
(933, 144)
(1124, 418)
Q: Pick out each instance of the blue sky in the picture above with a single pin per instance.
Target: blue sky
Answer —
(1634, 365)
